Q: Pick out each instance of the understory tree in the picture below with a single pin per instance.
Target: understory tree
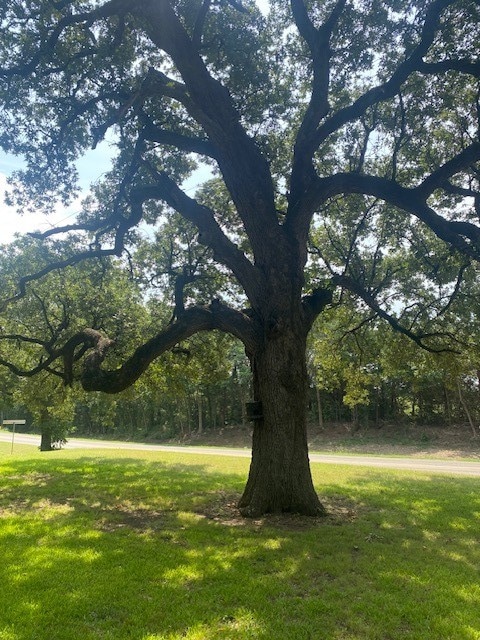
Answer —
(354, 122)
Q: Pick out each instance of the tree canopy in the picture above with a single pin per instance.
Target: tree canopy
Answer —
(343, 141)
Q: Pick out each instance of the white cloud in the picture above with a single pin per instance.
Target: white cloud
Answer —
(264, 6)
(11, 222)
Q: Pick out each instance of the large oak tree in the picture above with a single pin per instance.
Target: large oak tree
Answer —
(319, 105)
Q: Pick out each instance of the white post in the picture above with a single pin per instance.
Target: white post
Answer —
(14, 423)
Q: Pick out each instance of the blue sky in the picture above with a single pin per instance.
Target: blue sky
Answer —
(91, 167)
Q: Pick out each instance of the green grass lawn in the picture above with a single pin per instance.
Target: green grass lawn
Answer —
(147, 546)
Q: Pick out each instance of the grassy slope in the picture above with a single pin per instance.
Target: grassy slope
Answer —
(147, 546)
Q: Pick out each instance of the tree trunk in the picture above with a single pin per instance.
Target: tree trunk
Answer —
(280, 478)
(46, 431)
(200, 413)
(46, 439)
(466, 409)
(243, 400)
(447, 405)
(355, 419)
(212, 408)
(319, 409)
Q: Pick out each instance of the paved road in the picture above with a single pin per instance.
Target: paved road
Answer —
(452, 467)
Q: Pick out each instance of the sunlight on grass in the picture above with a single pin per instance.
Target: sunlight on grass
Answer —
(241, 623)
(148, 546)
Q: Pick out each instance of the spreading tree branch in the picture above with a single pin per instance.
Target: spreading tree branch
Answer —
(303, 177)
(461, 65)
(318, 41)
(153, 133)
(439, 177)
(210, 232)
(28, 66)
(392, 86)
(419, 339)
(210, 104)
(190, 321)
(200, 22)
(411, 200)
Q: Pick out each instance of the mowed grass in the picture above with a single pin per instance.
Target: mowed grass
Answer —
(148, 546)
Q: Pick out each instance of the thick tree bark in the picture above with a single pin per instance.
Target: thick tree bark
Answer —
(46, 439)
(280, 478)
(319, 409)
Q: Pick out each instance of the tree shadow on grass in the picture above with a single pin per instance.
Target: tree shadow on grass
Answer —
(100, 548)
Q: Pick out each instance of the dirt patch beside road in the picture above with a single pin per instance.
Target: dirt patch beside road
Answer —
(389, 439)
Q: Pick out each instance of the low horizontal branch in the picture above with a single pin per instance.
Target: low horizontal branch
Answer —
(191, 321)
